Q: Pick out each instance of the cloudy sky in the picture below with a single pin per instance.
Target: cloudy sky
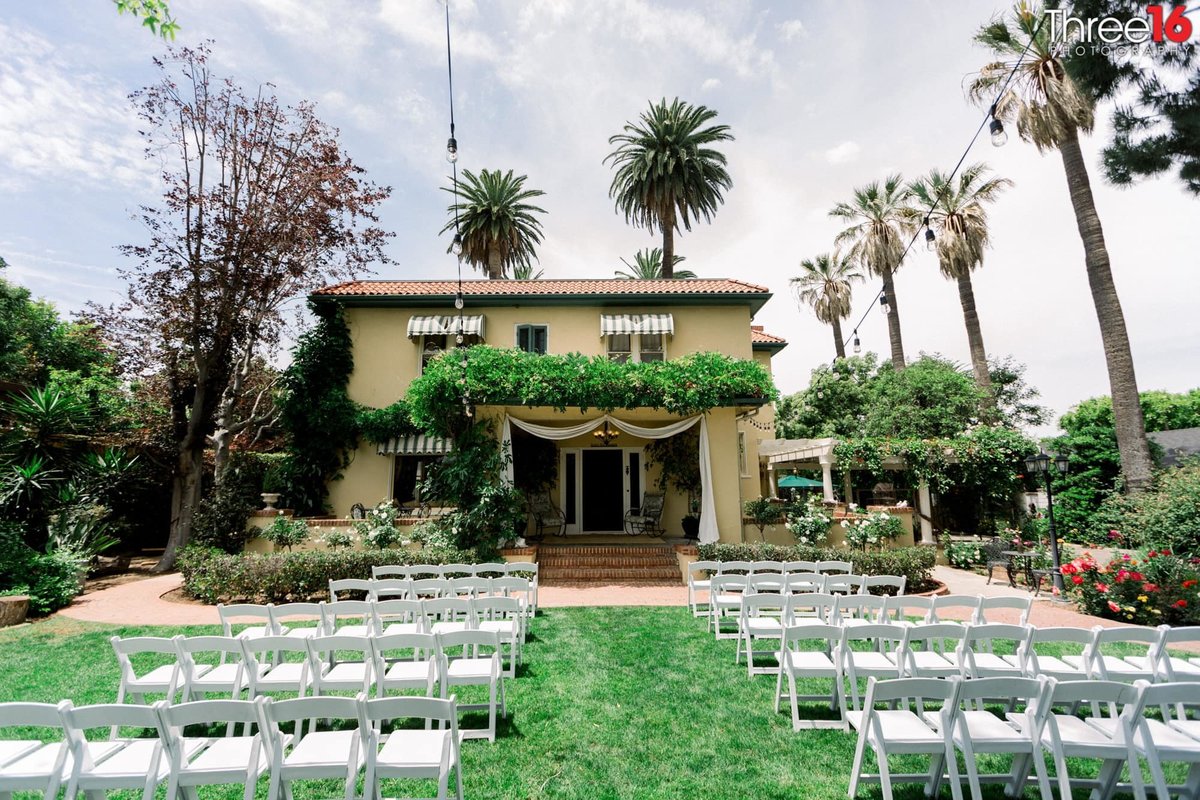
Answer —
(821, 97)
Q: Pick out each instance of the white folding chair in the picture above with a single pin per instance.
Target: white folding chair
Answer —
(398, 616)
(221, 760)
(447, 614)
(479, 665)
(962, 608)
(257, 616)
(1164, 740)
(844, 584)
(330, 673)
(268, 668)
(28, 765)
(799, 566)
(529, 571)
(803, 582)
(390, 589)
(989, 605)
(798, 661)
(335, 754)
(1106, 736)
(975, 653)
(504, 617)
(927, 651)
(1034, 664)
(725, 600)
(734, 568)
(300, 620)
(976, 731)
(762, 567)
(761, 582)
(163, 678)
(857, 609)
(523, 589)
(339, 589)
(226, 677)
(349, 617)
(405, 661)
(1104, 666)
(811, 607)
(1172, 669)
(761, 617)
(429, 588)
(898, 609)
(420, 572)
(492, 569)
(137, 764)
(431, 753)
(402, 571)
(906, 731)
(897, 582)
(699, 580)
(877, 655)
(827, 567)
(450, 571)
(470, 587)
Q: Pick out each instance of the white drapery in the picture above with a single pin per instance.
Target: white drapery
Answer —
(708, 507)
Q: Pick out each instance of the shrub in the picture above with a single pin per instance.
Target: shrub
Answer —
(810, 524)
(762, 512)
(212, 576)
(1159, 588)
(284, 532)
(963, 555)
(914, 563)
(379, 528)
(876, 528)
(1167, 517)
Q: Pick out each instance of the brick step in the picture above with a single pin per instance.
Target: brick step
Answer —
(670, 574)
(604, 561)
(574, 583)
(605, 549)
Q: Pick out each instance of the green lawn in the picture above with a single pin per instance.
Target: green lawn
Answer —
(611, 703)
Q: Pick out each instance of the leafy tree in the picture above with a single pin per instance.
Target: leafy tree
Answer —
(260, 204)
(835, 403)
(668, 170)
(960, 217)
(825, 284)
(647, 266)
(524, 272)
(932, 398)
(1155, 122)
(1015, 399)
(1050, 110)
(875, 220)
(492, 221)
(154, 14)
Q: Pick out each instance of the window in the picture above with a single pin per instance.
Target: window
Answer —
(745, 473)
(626, 347)
(532, 338)
(432, 345)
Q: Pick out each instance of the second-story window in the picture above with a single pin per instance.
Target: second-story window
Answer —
(620, 347)
(651, 347)
(431, 346)
(626, 347)
(532, 338)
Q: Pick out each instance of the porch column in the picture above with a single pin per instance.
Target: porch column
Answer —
(827, 476)
(772, 481)
(924, 512)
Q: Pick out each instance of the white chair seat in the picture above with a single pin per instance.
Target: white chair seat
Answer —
(407, 671)
(466, 669)
(1167, 740)
(305, 633)
(701, 584)
(728, 600)
(317, 752)
(449, 627)
(225, 756)
(222, 677)
(1065, 668)
(349, 674)
(1190, 727)
(405, 750)
(806, 660)
(764, 626)
(1076, 733)
(872, 662)
(930, 663)
(12, 750)
(401, 627)
(902, 727)
(504, 626)
(991, 734)
(1125, 669)
(286, 675)
(38, 763)
(258, 631)
(158, 679)
(992, 663)
(136, 758)
(1185, 669)
(353, 630)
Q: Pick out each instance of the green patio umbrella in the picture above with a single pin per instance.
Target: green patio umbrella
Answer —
(798, 482)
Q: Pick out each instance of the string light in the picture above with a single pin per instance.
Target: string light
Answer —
(883, 303)
(930, 239)
(857, 344)
(999, 137)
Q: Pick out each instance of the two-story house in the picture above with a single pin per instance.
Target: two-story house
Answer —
(397, 326)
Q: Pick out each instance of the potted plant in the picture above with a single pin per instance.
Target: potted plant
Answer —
(272, 482)
(691, 520)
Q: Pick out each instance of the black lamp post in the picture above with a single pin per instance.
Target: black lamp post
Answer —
(1040, 465)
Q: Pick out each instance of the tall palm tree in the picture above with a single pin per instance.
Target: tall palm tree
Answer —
(667, 171)
(825, 284)
(647, 266)
(876, 241)
(497, 225)
(1050, 110)
(524, 272)
(960, 220)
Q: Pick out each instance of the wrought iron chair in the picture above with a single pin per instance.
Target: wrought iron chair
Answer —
(645, 518)
(546, 516)
(993, 552)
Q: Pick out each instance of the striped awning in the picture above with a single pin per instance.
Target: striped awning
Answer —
(636, 323)
(445, 325)
(416, 445)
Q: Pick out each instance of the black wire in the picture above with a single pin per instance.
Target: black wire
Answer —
(454, 169)
(933, 207)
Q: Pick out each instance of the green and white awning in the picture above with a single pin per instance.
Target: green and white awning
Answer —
(448, 325)
(636, 323)
(416, 445)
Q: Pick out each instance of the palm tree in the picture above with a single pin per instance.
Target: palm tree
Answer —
(524, 272)
(667, 171)
(825, 284)
(647, 266)
(497, 226)
(876, 239)
(1050, 110)
(960, 220)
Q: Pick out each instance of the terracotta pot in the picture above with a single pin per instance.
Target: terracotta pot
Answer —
(13, 609)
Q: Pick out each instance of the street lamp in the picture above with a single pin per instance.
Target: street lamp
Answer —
(1040, 465)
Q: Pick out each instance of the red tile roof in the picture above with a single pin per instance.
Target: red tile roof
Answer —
(566, 287)
(758, 336)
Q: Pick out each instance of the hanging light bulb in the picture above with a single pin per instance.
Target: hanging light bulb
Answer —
(999, 135)
(456, 245)
(458, 339)
(452, 150)
(930, 239)
(458, 301)
(857, 344)
(883, 302)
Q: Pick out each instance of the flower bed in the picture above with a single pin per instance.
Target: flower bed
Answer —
(914, 563)
(214, 576)
(1160, 588)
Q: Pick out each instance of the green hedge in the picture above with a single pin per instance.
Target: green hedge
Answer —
(914, 563)
(213, 576)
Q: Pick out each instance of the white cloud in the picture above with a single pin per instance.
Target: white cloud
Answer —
(710, 84)
(791, 29)
(844, 153)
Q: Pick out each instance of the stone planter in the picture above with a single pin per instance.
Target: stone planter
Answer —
(13, 609)
(686, 554)
(269, 500)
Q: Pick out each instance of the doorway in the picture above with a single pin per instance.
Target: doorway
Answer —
(597, 486)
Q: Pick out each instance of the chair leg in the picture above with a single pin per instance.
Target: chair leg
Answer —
(885, 777)
(972, 769)
(793, 699)
(856, 767)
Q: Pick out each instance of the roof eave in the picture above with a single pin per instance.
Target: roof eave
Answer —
(755, 300)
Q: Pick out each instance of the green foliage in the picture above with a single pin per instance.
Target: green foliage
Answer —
(284, 532)
(875, 529)
(962, 555)
(1168, 516)
(491, 376)
(379, 529)
(315, 411)
(809, 523)
(154, 14)
(762, 512)
(1160, 588)
(378, 425)
(647, 266)
(492, 221)
(221, 519)
(52, 580)
(931, 398)
(836, 402)
(213, 576)
(914, 563)
(678, 458)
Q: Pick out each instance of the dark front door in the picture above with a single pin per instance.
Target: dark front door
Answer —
(603, 490)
